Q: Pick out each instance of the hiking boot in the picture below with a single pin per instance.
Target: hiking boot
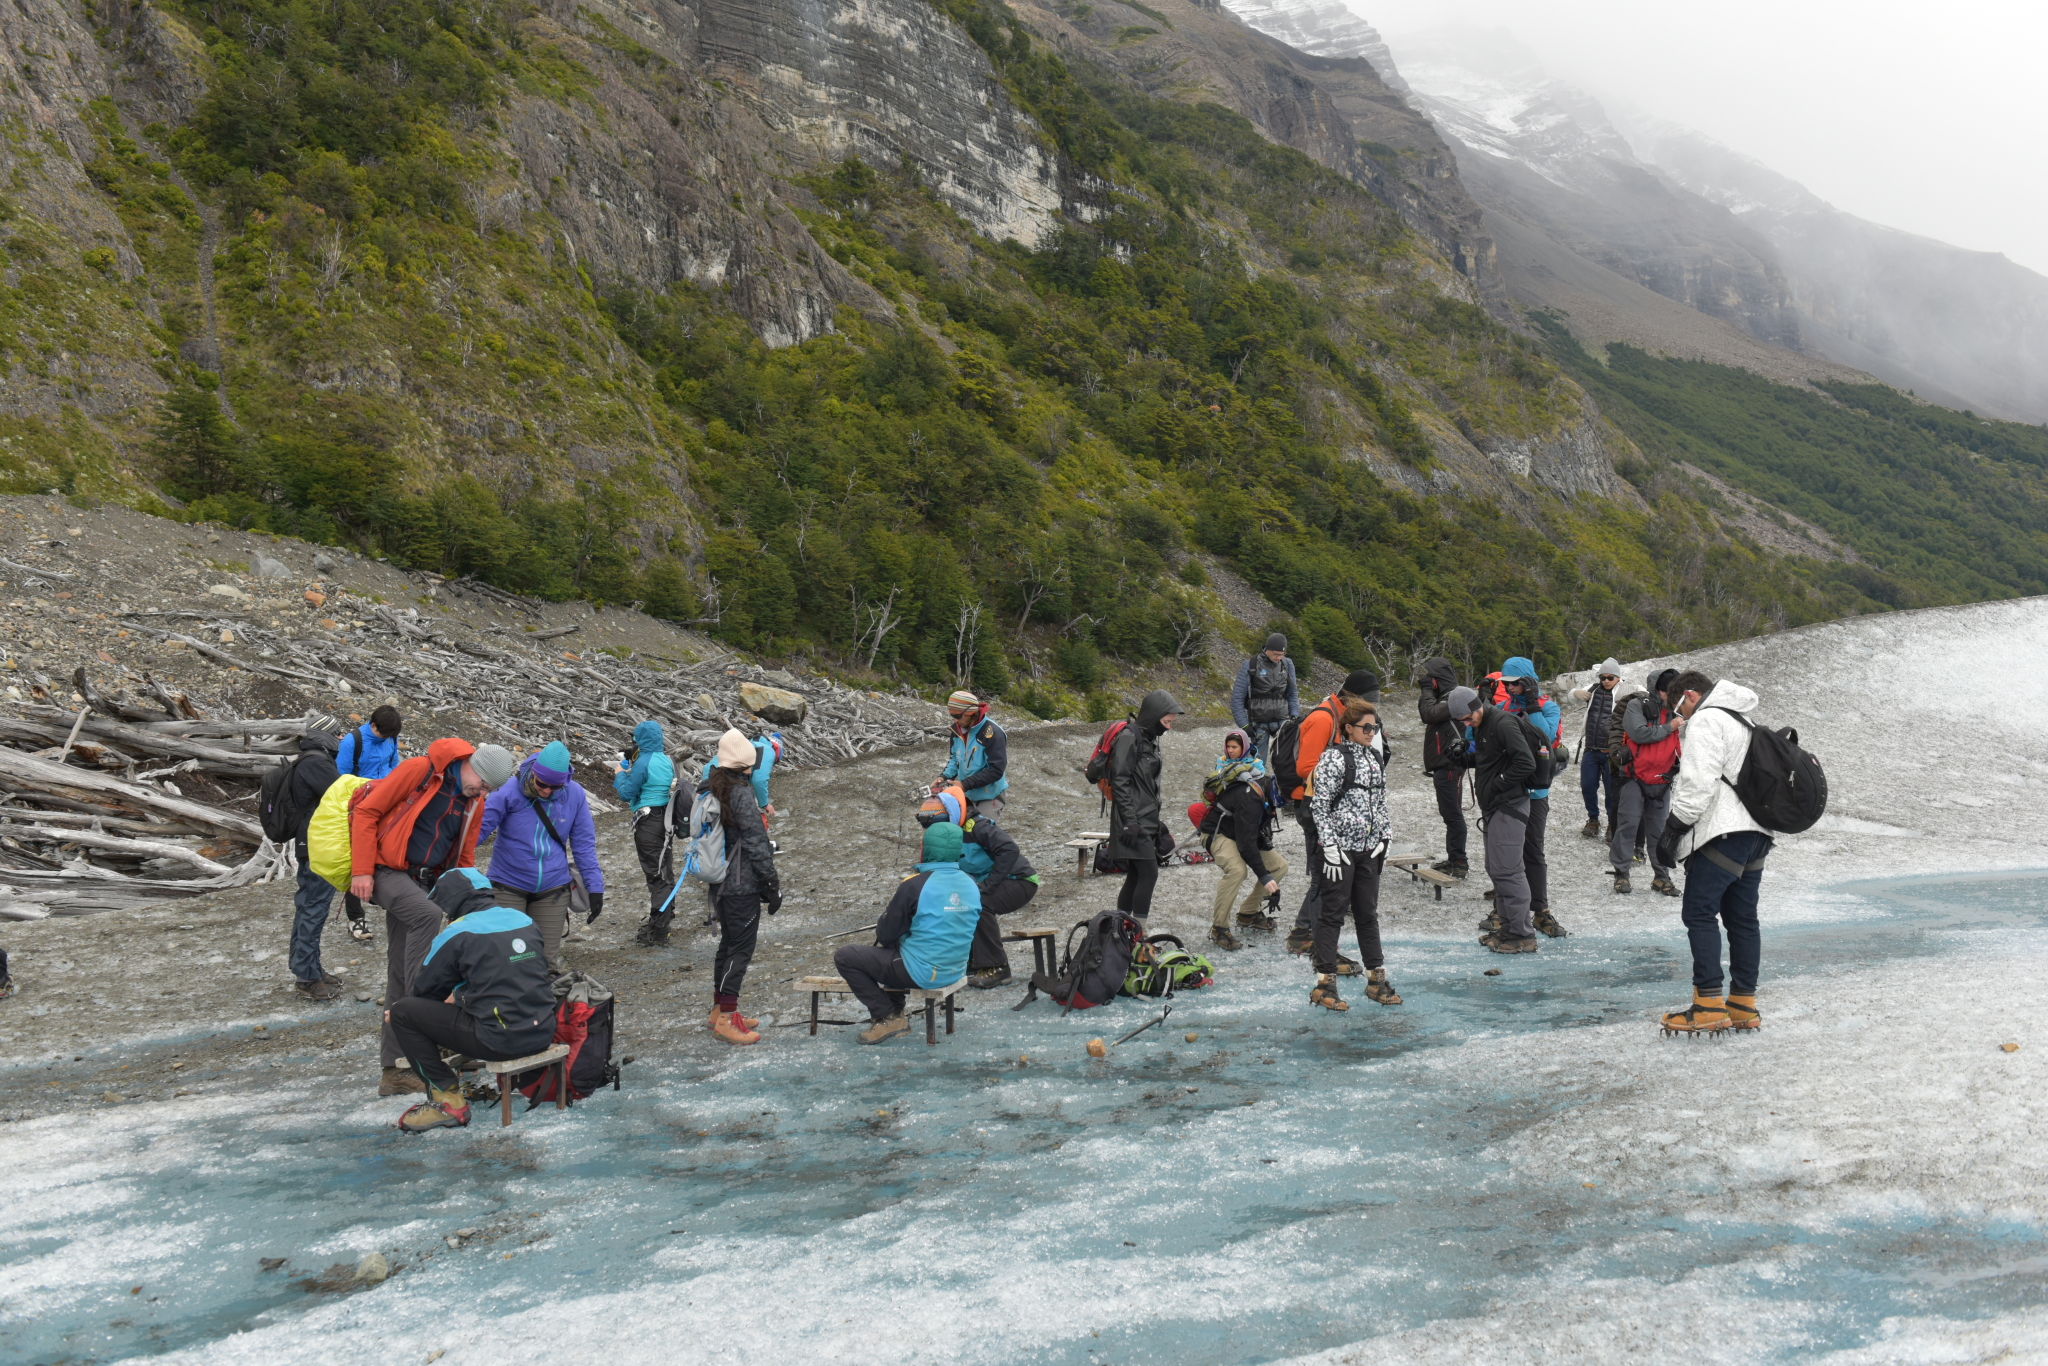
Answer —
(1346, 968)
(1378, 988)
(1621, 887)
(322, 990)
(746, 1022)
(733, 1028)
(1742, 1013)
(462, 1062)
(401, 1081)
(988, 977)
(327, 976)
(654, 930)
(1300, 941)
(1546, 923)
(1455, 868)
(442, 1110)
(1222, 938)
(1607, 831)
(1486, 895)
(1325, 994)
(1490, 925)
(883, 1030)
(1706, 1015)
(1661, 883)
(1504, 942)
(359, 930)
(1256, 920)
(1591, 830)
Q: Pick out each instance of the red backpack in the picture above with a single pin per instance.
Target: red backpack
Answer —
(1097, 771)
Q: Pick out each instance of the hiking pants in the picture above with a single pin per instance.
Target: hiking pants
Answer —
(1449, 791)
(1505, 830)
(1535, 861)
(1141, 875)
(997, 898)
(1721, 886)
(1311, 898)
(1358, 896)
(876, 975)
(1262, 734)
(411, 920)
(549, 912)
(310, 903)
(1235, 871)
(739, 925)
(657, 855)
(1593, 776)
(426, 1027)
(1640, 819)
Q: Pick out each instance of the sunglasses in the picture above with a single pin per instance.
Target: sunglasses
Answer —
(548, 787)
(1367, 726)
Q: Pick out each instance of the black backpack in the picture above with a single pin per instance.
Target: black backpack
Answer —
(1780, 785)
(1093, 972)
(1283, 760)
(276, 811)
(1539, 745)
(578, 1000)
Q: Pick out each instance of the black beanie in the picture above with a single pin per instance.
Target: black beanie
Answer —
(1361, 683)
(1276, 641)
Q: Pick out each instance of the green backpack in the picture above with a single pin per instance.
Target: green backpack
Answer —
(1160, 971)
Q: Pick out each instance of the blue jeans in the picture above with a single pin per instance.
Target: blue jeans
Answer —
(1715, 896)
(1593, 776)
(310, 904)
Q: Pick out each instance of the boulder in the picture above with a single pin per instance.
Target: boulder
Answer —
(267, 568)
(324, 564)
(373, 1268)
(778, 706)
(228, 590)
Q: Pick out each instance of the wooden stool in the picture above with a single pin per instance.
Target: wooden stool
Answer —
(1412, 864)
(555, 1059)
(820, 986)
(1083, 846)
(1045, 958)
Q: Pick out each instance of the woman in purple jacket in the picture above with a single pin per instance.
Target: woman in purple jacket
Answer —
(541, 818)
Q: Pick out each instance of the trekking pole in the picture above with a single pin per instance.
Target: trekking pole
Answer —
(1145, 1026)
(843, 933)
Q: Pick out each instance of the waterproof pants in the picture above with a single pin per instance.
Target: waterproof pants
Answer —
(1638, 819)
(1722, 883)
(1312, 896)
(411, 920)
(1593, 776)
(1535, 860)
(1450, 784)
(1262, 733)
(310, 903)
(1505, 830)
(876, 976)
(997, 898)
(739, 925)
(1141, 875)
(549, 912)
(657, 855)
(1357, 896)
(426, 1027)
(1235, 871)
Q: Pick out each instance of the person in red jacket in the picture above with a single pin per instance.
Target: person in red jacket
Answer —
(405, 830)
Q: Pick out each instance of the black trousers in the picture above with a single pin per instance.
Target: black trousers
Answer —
(657, 859)
(1311, 899)
(1141, 875)
(1449, 786)
(1535, 861)
(998, 898)
(877, 977)
(1357, 896)
(739, 925)
(424, 1027)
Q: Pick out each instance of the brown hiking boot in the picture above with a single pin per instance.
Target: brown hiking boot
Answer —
(1591, 830)
(1621, 883)
(1742, 1013)
(1490, 925)
(1706, 1015)
(1325, 994)
(401, 1081)
(1507, 943)
(1300, 941)
(733, 1028)
(1222, 938)
(321, 990)
(1256, 920)
(1378, 988)
(1546, 923)
(883, 1030)
(1661, 883)
(443, 1110)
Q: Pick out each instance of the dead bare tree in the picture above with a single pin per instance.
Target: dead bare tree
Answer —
(874, 622)
(966, 634)
(331, 252)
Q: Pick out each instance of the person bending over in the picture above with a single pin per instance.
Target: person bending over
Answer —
(980, 754)
(371, 750)
(1239, 836)
(922, 941)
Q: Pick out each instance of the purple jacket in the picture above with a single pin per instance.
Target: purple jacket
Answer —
(526, 857)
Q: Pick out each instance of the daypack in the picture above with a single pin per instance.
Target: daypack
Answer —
(583, 1020)
(1621, 760)
(327, 837)
(1097, 771)
(1160, 971)
(1203, 816)
(276, 812)
(1780, 785)
(1283, 759)
(704, 861)
(1266, 689)
(1539, 745)
(1092, 972)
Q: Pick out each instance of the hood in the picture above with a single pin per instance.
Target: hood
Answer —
(1624, 690)
(446, 751)
(1157, 706)
(1242, 739)
(942, 843)
(462, 890)
(647, 737)
(1441, 672)
(1731, 695)
(1661, 679)
(1519, 667)
(321, 741)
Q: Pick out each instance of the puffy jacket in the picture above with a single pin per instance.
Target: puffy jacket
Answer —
(1245, 819)
(1441, 736)
(490, 961)
(1715, 746)
(1134, 765)
(930, 923)
(366, 754)
(312, 774)
(988, 854)
(979, 760)
(526, 857)
(652, 775)
(1504, 763)
(764, 768)
(381, 814)
(1275, 681)
(749, 857)
(1599, 705)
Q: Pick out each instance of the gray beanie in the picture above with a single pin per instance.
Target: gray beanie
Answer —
(1276, 641)
(1610, 667)
(1463, 701)
(493, 764)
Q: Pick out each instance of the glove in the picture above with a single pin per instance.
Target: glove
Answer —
(1335, 861)
(596, 908)
(772, 902)
(1130, 835)
(1377, 852)
(1667, 843)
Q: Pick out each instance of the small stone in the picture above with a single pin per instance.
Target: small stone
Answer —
(176, 1065)
(315, 597)
(1097, 1049)
(329, 624)
(372, 1269)
(1190, 1037)
(467, 1232)
(363, 996)
(227, 637)
(2009, 1047)
(1493, 972)
(708, 702)
(226, 590)
(778, 706)
(270, 1263)
(452, 1242)
(436, 1355)
(111, 1097)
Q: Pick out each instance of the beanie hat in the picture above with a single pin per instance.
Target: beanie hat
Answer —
(1462, 701)
(1361, 683)
(553, 765)
(961, 700)
(1276, 641)
(942, 843)
(735, 751)
(1610, 667)
(493, 764)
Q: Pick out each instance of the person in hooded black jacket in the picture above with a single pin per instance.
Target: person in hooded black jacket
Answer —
(1442, 737)
(312, 774)
(1138, 837)
(1503, 766)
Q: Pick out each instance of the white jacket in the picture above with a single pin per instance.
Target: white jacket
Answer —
(1715, 746)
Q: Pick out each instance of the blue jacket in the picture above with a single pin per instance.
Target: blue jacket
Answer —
(1241, 690)
(979, 760)
(526, 857)
(930, 923)
(366, 754)
(1543, 713)
(653, 773)
(764, 766)
(490, 961)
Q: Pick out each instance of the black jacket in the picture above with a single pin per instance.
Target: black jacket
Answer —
(1505, 763)
(1006, 860)
(1440, 734)
(749, 857)
(312, 774)
(1134, 788)
(489, 958)
(1245, 819)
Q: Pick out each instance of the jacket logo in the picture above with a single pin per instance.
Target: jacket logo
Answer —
(519, 946)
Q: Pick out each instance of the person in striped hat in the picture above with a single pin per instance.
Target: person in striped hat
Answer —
(981, 754)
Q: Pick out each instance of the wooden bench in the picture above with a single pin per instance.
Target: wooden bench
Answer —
(1415, 866)
(1045, 958)
(555, 1059)
(1083, 846)
(821, 986)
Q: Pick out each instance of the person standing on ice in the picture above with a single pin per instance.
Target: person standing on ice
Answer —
(1265, 695)
(647, 782)
(1317, 731)
(1348, 804)
(1653, 734)
(1526, 699)
(751, 884)
(1138, 837)
(1594, 775)
(1723, 849)
(1442, 738)
(545, 840)
(1502, 765)
(980, 755)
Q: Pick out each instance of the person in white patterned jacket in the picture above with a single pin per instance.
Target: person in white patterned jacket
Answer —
(1348, 804)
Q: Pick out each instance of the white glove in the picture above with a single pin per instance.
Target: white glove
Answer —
(1378, 851)
(1335, 861)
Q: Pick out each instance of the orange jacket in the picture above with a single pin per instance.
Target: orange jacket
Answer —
(380, 814)
(1318, 724)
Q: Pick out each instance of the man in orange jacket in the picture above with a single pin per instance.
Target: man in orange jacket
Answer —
(1318, 727)
(405, 830)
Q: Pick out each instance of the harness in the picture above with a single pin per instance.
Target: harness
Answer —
(1729, 865)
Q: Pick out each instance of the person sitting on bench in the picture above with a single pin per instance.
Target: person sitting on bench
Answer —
(483, 991)
(1006, 878)
(922, 940)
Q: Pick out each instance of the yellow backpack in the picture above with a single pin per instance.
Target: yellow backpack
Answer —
(327, 834)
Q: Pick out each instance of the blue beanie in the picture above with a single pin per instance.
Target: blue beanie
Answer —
(552, 765)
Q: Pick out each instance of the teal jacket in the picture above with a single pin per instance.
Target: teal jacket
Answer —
(930, 923)
(980, 757)
(652, 774)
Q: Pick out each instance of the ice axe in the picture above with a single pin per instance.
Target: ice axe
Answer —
(1145, 1026)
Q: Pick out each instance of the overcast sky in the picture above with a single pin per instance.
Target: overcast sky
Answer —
(1932, 117)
